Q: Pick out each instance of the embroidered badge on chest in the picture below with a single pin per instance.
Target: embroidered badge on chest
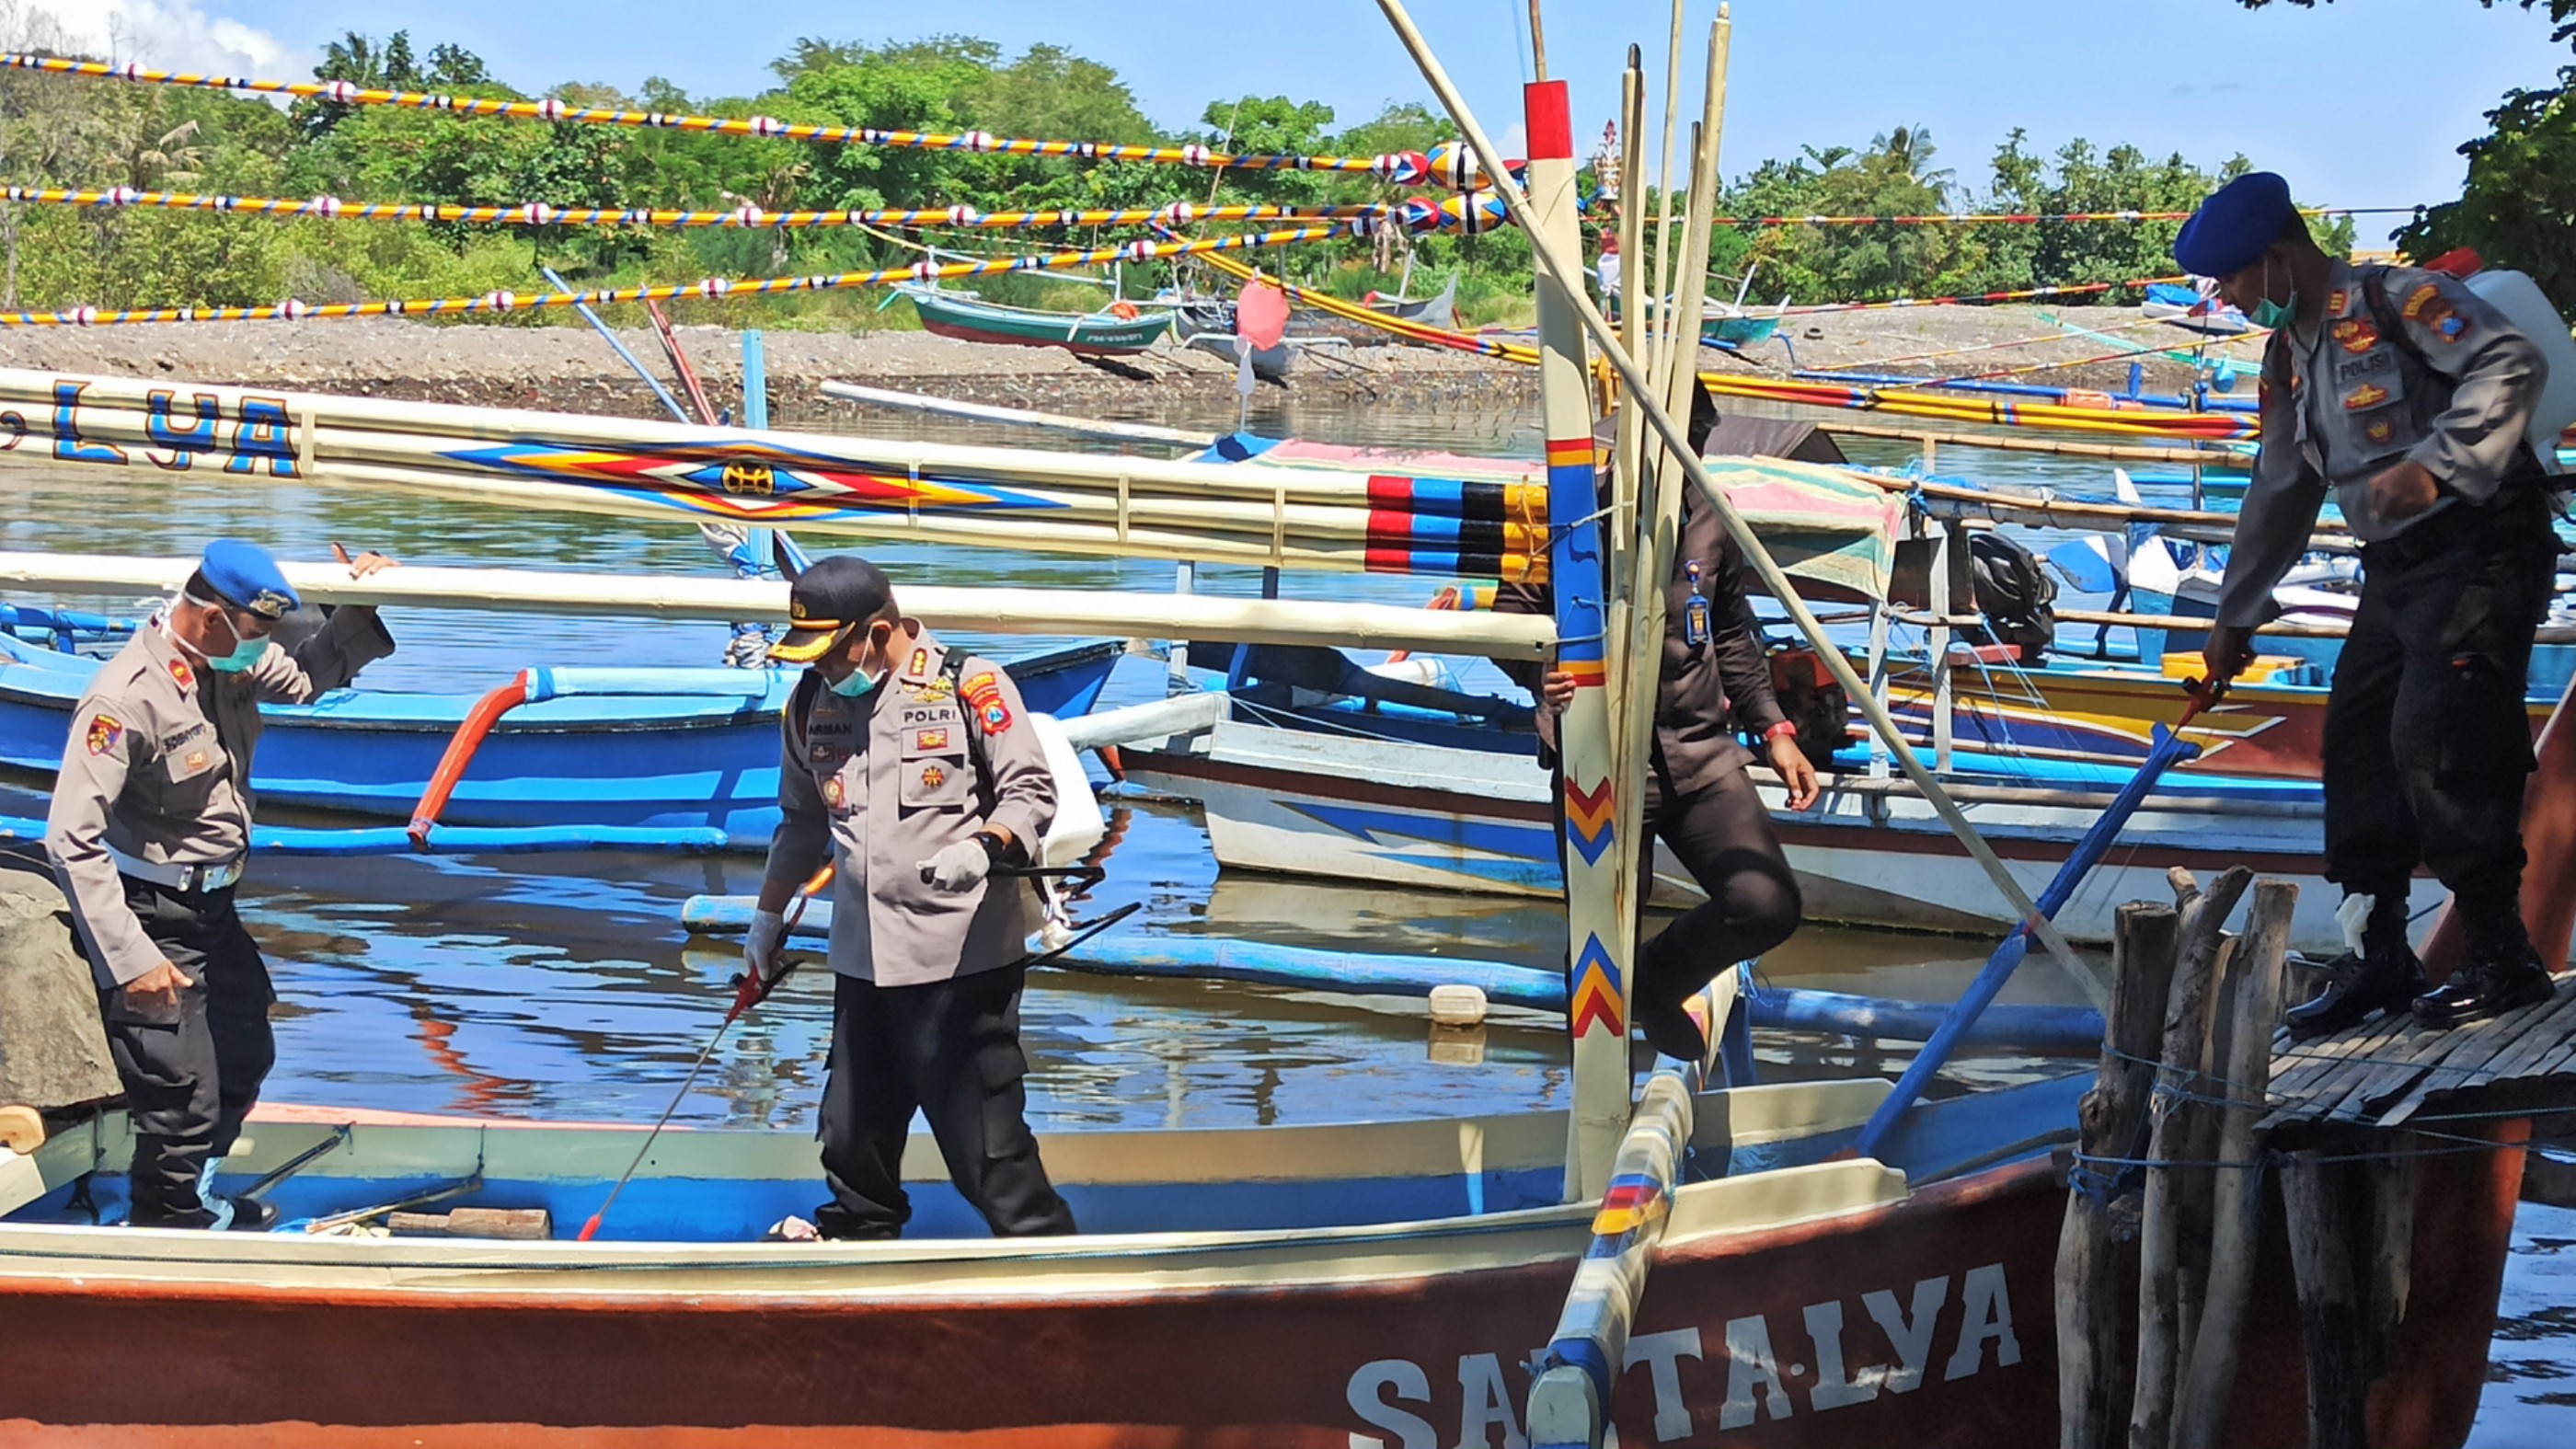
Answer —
(2356, 334)
(196, 761)
(2368, 395)
(2379, 429)
(930, 739)
(180, 671)
(932, 777)
(833, 794)
(104, 731)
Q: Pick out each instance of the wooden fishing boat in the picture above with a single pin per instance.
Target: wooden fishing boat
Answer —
(1348, 796)
(653, 749)
(1090, 334)
(1329, 1285)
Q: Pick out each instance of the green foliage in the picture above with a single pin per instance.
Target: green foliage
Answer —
(64, 133)
(2519, 209)
(2562, 12)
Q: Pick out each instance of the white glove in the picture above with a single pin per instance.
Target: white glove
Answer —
(760, 945)
(958, 868)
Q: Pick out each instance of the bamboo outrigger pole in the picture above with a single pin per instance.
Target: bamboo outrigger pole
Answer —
(1563, 279)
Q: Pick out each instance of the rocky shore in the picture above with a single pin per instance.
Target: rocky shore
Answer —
(570, 369)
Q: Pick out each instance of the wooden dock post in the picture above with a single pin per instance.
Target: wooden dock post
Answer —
(2092, 1376)
(2253, 1009)
(2182, 1061)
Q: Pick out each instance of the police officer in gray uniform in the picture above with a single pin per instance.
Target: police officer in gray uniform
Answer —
(916, 771)
(148, 829)
(2410, 397)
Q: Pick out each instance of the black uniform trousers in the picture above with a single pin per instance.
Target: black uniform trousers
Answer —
(1721, 833)
(191, 1071)
(2427, 742)
(950, 1049)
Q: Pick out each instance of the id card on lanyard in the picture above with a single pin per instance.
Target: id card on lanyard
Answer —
(1695, 612)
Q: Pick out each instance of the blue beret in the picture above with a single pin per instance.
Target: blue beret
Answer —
(247, 578)
(2234, 225)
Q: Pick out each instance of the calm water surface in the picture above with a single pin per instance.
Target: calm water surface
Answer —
(561, 987)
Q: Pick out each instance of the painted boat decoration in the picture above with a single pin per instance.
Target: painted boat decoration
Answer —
(1087, 334)
(656, 749)
(1320, 1286)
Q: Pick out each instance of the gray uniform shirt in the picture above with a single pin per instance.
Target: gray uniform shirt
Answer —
(158, 767)
(884, 782)
(2344, 403)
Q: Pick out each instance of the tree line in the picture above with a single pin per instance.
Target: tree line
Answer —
(62, 132)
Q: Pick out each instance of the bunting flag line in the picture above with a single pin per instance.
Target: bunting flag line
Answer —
(2013, 218)
(538, 213)
(711, 288)
(1401, 168)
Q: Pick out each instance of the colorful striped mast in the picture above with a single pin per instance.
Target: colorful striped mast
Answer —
(1600, 927)
(1554, 260)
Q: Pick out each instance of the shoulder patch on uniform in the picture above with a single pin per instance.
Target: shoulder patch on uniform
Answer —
(2336, 301)
(984, 694)
(105, 731)
(180, 671)
(2417, 300)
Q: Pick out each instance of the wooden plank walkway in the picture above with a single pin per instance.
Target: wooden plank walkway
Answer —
(2385, 1072)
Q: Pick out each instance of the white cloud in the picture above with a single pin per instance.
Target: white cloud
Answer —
(165, 34)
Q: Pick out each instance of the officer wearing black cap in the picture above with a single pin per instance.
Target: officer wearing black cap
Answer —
(915, 771)
(149, 828)
(2410, 397)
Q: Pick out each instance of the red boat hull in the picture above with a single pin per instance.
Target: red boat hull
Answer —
(1923, 1324)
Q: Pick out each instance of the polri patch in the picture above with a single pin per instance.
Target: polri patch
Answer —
(995, 715)
(104, 732)
(2419, 299)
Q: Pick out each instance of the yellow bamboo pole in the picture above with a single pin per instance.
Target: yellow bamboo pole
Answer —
(1551, 256)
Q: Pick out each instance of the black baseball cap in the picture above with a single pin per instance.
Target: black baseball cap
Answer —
(828, 600)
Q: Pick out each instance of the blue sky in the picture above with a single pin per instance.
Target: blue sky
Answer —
(2361, 102)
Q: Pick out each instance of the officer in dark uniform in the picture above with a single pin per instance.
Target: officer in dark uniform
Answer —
(917, 773)
(149, 829)
(1716, 682)
(2410, 397)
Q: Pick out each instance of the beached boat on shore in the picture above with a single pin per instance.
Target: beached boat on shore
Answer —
(1109, 333)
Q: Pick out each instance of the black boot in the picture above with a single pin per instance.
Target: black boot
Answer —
(2500, 972)
(2383, 976)
(1657, 1006)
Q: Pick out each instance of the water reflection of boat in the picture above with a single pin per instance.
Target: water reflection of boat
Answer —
(662, 749)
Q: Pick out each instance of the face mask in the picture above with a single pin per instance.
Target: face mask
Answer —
(2270, 314)
(856, 684)
(243, 654)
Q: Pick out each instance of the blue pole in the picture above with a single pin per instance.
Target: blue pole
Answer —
(755, 414)
(2166, 751)
(618, 347)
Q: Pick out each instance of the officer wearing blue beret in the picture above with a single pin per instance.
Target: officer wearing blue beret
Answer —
(2410, 397)
(148, 829)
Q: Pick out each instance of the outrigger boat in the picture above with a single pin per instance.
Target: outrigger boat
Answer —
(1831, 1264)
(1112, 332)
(644, 749)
